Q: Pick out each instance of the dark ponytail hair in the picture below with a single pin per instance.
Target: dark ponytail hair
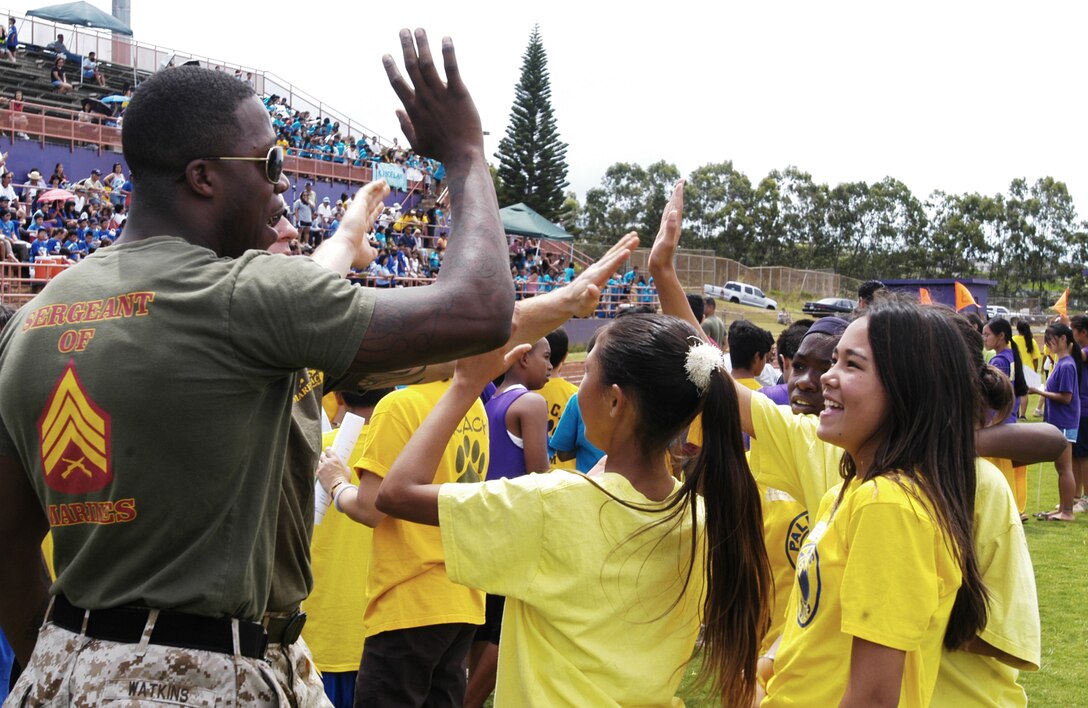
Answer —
(937, 452)
(1060, 331)
(645, 355)
(1000, 325)
(995, 388)
(1078, 323)
(1024, 330)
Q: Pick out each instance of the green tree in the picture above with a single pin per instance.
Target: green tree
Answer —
(532, 158)
(955, 243)
(719, 203)
(803, 206)
(570, 214)
(616, 206)
(630, 198)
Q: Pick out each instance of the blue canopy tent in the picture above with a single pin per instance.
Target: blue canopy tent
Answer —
(521, 220)
(81, 14)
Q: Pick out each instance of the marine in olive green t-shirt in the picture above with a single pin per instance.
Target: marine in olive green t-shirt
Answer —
(152, 409)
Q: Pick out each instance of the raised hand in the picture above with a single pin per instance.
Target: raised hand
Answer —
(359, 220)
(668, 234)
(439, 118)
(586, 288)
(478, 370)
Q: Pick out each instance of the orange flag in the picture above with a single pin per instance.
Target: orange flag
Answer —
(964, 297)
(923, 296)
(1062, 305)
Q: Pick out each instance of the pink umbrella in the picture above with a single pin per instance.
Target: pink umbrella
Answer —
(56, 195)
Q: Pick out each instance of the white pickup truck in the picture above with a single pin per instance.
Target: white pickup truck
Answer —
(741, 294)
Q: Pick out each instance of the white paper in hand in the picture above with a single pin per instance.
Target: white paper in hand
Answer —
(346, 437)
(1032, 378)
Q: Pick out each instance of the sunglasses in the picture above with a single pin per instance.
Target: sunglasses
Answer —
(273, 162)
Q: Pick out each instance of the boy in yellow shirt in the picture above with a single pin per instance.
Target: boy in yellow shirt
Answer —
(413, 608)
(340, 558)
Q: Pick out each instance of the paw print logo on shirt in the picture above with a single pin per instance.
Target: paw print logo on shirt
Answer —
(471, 458)
(809, 584)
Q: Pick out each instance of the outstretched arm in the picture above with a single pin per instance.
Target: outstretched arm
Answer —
(671, 293)
(468, 308)
(1026, 443)
(408, 492)
(669, 290)
(537, 316)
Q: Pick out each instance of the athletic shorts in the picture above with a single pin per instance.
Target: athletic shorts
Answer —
(416, 666)
(1070, 434)
(1080, 446)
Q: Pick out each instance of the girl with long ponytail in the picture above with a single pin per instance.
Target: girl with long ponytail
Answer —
(609, 578)
(1032, 356)
(997, 335)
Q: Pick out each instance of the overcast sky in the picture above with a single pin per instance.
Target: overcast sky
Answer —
(959, 96)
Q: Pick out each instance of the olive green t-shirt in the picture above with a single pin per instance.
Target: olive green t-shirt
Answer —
(147, 393)
(292, 578)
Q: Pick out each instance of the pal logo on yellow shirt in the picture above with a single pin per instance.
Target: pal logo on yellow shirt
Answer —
(808, 576)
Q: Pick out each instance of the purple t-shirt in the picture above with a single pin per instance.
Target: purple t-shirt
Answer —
(1063, 379)
(779, 393)
(1004, 361)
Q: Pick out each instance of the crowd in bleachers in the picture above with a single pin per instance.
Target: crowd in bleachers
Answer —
(536, 272)
(321, 138)
(60, 217)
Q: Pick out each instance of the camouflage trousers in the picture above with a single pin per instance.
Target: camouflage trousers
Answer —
(294, 670)
(69, 669)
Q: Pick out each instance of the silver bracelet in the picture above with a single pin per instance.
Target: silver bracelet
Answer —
(336, 499)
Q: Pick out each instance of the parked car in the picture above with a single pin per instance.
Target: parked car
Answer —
(741, 294)
(829, 306)
(993, 311)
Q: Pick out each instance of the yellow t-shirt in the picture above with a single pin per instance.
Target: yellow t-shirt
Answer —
(787, 454)
(340, 556)
(407, 585)
(557, 392)
(329, 405)
(1031, 358)
(967, 679)
(785, 526)
(592, 611)
(47, 553)
(876, 567)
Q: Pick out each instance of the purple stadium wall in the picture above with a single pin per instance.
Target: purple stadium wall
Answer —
(27, 155)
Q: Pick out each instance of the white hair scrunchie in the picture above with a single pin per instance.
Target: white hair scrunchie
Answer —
(701, 361)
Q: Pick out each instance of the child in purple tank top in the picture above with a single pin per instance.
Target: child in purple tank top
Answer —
(517, 420)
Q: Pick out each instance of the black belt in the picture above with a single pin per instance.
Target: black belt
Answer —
(126, 624)
(285, 630)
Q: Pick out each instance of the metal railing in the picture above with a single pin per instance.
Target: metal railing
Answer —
(148, 58)
(20, 282)
(53, 124)
(60, 125)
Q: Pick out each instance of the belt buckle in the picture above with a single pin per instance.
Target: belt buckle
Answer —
(293, 629)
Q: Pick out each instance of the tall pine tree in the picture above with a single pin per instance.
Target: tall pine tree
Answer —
(532, 158)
